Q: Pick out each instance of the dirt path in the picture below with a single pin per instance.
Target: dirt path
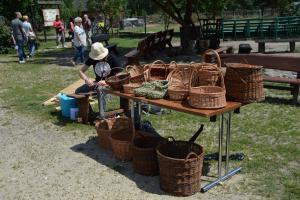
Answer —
(39, 160)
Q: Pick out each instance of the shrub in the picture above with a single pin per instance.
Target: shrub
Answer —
(5, 39)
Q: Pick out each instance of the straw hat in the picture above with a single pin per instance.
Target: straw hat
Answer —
(98, 51)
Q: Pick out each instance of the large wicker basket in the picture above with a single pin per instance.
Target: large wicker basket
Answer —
(107, 127)
(207, 97)
(144, 155)
(244, 82)
(158, 70)
(121, 140)
(179, 82)
(180, 167)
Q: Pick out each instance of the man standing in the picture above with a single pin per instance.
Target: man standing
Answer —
(19, 36)
(87, 26)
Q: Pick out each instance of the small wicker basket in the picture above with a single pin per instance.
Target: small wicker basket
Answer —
(158, 70)
(179, 82)
(128, 88)
(208, 73)
(117, 81)
(136, 73)
(207, 97)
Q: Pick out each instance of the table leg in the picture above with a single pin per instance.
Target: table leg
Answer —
(227, 141)
(139, 113)
(228, 173)
(221, 131)
(100, 94)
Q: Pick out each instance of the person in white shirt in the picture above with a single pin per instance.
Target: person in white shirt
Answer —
(30, 35)
(79, 41)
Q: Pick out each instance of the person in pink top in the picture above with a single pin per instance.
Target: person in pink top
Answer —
(60, 31)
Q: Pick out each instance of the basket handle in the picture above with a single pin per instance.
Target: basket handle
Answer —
(151, 65)
(216, 54)
(190, 155)
(221, 75)
(128, 68)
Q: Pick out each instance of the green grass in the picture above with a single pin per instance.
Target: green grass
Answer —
(268, 132)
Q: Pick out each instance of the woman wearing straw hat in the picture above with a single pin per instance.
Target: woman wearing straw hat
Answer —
(104, 64)
(98, 56)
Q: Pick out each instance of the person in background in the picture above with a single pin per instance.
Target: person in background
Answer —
(30, 35)
(79, 41)
(87, 26)
(60, 31)
(71, 28)
(19, 36)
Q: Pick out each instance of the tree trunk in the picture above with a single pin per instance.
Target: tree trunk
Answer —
(188, 36)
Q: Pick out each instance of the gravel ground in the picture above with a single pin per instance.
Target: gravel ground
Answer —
(41, 161)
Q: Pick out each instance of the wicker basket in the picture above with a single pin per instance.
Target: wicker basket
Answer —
(136, 73)
(244, 82)
(121, 144)
(107, 127)
(180, 166)
(179, 82)
(207, 97)
(116, 82)
(208, 74)
(121, 140)
(128, 88)
(158, 70)
(144, 155)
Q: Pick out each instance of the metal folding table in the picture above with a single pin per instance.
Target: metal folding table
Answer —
(182, 106)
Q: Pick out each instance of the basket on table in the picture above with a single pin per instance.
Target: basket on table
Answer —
(244, 82)
(121, 140)
(136, 73)
(155, 71)
(109, 126)
(208, 73)
(180, 167)
(117, 81)
(206, 97)
(129, 87)
(179, 81)
(144, 154)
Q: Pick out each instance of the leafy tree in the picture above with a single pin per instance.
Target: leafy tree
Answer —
(109, 8)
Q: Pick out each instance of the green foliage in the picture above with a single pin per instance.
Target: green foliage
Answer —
(5, 39)
(69, 10)
(8, 7)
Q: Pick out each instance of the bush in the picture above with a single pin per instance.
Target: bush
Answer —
(5, 39)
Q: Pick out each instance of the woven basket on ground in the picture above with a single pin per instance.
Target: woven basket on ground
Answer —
(136, 73)
(128, 88)
(158, 70)
(107, 127)
(144, 155)
(121, 140)
(207, 97)
(208, 73)
(180, 167)
(117, 81)
(179, 82)
(244, 82)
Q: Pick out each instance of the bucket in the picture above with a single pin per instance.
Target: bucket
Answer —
(66, 103)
